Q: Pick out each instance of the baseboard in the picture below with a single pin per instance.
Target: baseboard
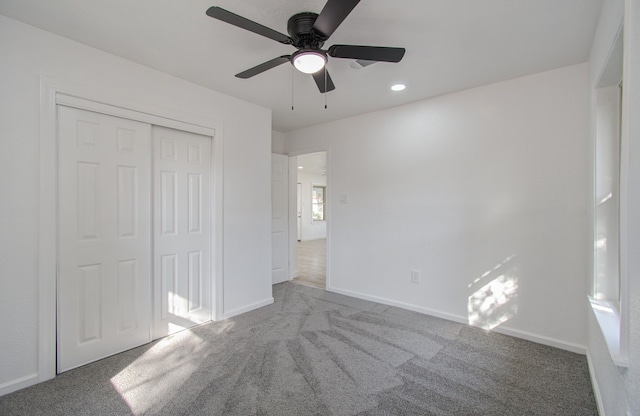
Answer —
(403, 305)
(539, 339)
(17, 384)
(294, 273)
(247, 308)
(596, 387)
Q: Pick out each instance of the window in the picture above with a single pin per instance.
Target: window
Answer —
(318, 203)
(607, 195)
(609, 300)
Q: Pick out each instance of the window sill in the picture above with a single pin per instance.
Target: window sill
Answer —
(609, 321)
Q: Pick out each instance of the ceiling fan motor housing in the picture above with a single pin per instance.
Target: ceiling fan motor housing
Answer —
(300, 28)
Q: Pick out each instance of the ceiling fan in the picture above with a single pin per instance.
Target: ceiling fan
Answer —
(308, 32)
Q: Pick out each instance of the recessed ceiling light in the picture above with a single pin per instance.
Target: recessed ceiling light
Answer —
(300, 167)
(398, 87)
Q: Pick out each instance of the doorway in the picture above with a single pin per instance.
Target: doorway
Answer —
(311, 219)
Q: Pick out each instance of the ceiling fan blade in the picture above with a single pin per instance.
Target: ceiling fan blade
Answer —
(318, 77)
(258, 69)
(332, 15)
(244, 23)
(369, 53)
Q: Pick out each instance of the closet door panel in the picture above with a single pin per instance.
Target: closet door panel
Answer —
(104, 276)
(182, 230)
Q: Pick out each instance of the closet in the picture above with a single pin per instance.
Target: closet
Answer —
(134, 227)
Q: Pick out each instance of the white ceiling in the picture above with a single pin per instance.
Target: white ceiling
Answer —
(451, 45)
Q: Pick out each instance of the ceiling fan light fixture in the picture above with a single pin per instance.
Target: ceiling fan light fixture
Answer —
(309, 61)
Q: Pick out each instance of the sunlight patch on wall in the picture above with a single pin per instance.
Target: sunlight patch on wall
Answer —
(495, 296)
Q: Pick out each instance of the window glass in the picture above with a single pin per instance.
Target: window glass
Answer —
(318, 203)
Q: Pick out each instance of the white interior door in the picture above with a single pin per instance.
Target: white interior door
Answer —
(182, 230)
(104, 236)
(279, 218)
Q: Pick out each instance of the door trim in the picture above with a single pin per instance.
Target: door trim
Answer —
(54, 92)
(111, 110)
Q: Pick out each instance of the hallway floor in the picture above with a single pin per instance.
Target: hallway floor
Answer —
(312, 263)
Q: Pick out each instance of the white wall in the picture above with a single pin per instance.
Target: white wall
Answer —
(27, 53)
(277, 142)
(617, 388)
(310, 230)
(477, 190)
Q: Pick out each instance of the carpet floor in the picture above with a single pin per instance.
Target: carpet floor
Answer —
(318, 353)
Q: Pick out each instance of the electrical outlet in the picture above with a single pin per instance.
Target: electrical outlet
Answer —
(415, 276)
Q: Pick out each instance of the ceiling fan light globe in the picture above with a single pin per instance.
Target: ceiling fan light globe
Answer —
(309, 62)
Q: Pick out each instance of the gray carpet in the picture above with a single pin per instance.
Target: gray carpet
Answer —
(318, 353)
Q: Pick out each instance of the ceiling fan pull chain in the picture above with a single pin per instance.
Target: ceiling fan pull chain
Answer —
(292, 71)
(325, 87)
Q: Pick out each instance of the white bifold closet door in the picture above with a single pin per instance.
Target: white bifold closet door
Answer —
(104, 282)
(182, 230)
(120, 285)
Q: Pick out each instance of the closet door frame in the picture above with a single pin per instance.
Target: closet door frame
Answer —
(54, 92)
